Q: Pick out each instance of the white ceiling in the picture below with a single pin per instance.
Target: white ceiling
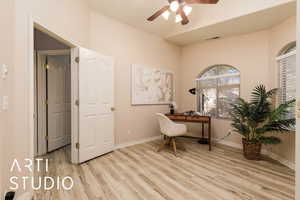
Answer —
(228, 17)
(135, 13)
(240, 25)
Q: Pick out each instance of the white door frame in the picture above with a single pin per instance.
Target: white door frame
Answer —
(75, 108)
(40, 121)
(32, 24)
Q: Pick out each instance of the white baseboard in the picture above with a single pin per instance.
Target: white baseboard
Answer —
(272, 155)
(228, 143)
(128, 144)
(280, 159)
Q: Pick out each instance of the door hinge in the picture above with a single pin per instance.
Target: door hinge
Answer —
(77, 145)
(77, 59)
(77, 102)
(46, 138)
(46, 102)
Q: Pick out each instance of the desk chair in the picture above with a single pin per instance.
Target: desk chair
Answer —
(170, 130)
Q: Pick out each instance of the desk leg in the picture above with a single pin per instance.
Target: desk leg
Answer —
(202, 130)
(209, 134)
(203, 139)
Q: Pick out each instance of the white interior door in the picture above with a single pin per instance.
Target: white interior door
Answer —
(59, 102)
(96, 101)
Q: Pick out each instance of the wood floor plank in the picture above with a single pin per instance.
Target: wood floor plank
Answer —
(164, 180)
(211, 181)
(242, 177)
(141, 173)
(179, 175)
(133, 177)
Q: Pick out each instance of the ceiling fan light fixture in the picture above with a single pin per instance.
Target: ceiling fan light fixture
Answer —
(174, 6)
(187, 9)
(178, 18)
(166, 15)
(180, 8)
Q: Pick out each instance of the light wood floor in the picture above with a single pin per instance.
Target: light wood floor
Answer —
(139, 172)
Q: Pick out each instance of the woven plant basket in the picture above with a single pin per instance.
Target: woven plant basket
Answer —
(252, 151)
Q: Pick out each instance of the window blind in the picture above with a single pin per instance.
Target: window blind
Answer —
(287, 78)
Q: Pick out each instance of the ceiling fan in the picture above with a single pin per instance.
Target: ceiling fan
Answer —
(181, 8)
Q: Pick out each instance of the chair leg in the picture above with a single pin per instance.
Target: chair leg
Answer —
(174, 146)
(162, 145)
(169, 141)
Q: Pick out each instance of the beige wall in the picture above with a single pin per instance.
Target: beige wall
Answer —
(6, 57)
(67, 18)
(129, 46)
(253, 54)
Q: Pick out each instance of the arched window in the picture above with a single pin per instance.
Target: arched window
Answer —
(217, 88)
(287, 74)
(291, 47)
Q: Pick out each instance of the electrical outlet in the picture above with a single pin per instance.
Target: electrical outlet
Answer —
(4, 71)
(5, 103)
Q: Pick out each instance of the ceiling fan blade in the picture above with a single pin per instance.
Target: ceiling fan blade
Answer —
(158, 13)
(201, 1)
(185, 19)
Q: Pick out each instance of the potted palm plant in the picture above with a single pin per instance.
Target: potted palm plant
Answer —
(259, 116)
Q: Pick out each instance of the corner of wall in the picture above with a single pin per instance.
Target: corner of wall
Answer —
(298, 99)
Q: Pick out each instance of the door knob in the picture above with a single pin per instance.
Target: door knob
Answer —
(112, 109)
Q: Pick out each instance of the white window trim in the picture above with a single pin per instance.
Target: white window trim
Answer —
(218, 76)
(292, 53)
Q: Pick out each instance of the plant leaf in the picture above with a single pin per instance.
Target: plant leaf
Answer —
(270, 140)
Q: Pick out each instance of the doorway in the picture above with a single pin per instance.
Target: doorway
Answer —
(77, 82)
(52, 94)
